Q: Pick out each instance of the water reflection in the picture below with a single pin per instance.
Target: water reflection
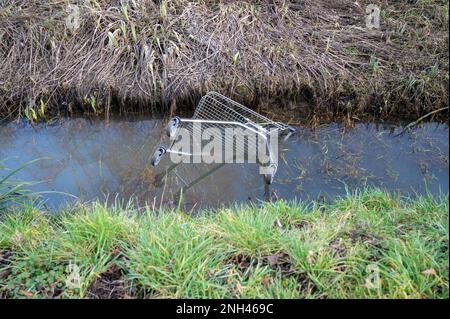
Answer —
(92, 160)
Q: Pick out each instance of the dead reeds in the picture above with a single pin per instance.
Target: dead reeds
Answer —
(99, 56)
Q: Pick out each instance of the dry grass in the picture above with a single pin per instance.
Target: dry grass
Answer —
(146, 55)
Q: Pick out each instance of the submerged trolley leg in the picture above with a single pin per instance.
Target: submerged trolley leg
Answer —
(159, 178)
(269, 175)
(270, 167)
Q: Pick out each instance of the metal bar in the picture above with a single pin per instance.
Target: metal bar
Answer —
(225, 122)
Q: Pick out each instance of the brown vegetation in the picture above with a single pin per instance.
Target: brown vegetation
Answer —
(306, 55)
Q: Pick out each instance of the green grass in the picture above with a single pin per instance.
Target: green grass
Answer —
(13, 191)
(369, 244)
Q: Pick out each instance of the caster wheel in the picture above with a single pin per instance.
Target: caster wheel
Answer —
(172, 126)
(157, 155)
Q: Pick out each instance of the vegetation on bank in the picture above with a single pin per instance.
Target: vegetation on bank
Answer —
(98, 56)
(275, 250)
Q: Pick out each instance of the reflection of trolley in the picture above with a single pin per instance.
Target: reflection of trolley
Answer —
(219, 112)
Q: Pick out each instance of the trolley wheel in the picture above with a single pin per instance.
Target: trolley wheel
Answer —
(157, 155)
(270, 173)
(172, 126)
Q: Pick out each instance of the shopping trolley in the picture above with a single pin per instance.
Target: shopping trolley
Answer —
(221, 113)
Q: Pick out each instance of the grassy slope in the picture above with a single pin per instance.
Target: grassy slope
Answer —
(280, 250)
(148, 54)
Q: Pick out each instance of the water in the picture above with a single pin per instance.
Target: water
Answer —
(91, 159)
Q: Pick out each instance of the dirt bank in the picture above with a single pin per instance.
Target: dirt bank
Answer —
(307, 56)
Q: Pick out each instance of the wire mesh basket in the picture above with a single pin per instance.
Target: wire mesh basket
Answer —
(218, 113)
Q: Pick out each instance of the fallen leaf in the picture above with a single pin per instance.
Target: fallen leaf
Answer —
(266, 281)
(431, 272)
(274, 260)
(112, 269)
(116, 252)
(280, 261)
(26, 293)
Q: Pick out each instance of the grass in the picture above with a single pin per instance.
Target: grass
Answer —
(98, 56)
(13, 191)
(368, 244)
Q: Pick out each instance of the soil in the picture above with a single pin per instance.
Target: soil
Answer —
(110, 285)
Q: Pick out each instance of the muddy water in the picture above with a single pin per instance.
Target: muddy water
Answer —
(91, 160)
